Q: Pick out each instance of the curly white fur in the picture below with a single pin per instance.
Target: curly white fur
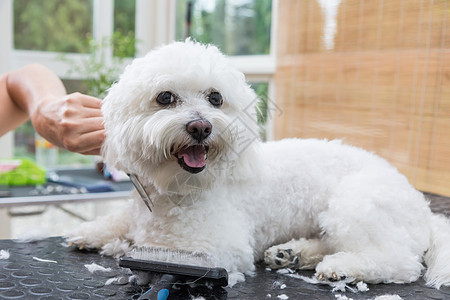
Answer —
(350, 213)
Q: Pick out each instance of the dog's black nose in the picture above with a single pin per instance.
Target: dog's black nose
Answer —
(199, 129)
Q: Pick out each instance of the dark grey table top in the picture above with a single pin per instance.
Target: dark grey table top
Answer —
(64, 276)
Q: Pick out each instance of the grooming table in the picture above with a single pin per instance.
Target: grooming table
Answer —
(63, 276)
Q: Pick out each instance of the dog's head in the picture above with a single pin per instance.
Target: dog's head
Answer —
(180, 113)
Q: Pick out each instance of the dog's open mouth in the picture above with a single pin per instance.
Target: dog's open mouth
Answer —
(192, 158)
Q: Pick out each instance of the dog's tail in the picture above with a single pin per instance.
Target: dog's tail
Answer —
(437, 257)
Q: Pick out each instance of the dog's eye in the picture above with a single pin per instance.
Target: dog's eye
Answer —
(165, 98)
(215, 98)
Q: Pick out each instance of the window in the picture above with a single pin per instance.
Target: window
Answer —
(238, 27)
(47, 29)
(123, 39)
(66, 30)
(262, 113)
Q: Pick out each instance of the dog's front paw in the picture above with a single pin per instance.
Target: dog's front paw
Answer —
(339, 266)
(87, 236)
(76, 241)
(80, 242)
(277, 258)
(333, 276)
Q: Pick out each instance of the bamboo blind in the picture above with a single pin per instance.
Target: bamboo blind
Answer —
(383, 84)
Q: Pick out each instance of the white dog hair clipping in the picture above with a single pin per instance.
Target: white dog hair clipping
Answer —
(142, 192)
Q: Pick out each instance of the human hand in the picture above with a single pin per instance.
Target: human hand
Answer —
(73, 122)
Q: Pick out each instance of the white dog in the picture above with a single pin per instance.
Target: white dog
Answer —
(183, 120)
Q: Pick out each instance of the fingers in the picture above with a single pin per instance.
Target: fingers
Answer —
(86, 143)
(86, 100)
(82, 135)
(92, 152)
(92, 142)
(91, 124)
(78, 113)
(81, 106)
(74, 122)
(76, 127)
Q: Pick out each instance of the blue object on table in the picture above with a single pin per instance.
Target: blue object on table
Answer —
(161, 290)
(91, 186)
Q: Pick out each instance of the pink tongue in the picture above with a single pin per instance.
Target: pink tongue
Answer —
(193, 156)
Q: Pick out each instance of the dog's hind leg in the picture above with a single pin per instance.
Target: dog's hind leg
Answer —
(297, 254)
(377, 227)
(369, 267)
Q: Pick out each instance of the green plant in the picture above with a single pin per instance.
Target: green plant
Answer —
(52, 25)
(99, 69)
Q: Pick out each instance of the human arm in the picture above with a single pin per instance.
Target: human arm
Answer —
(73, 122)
